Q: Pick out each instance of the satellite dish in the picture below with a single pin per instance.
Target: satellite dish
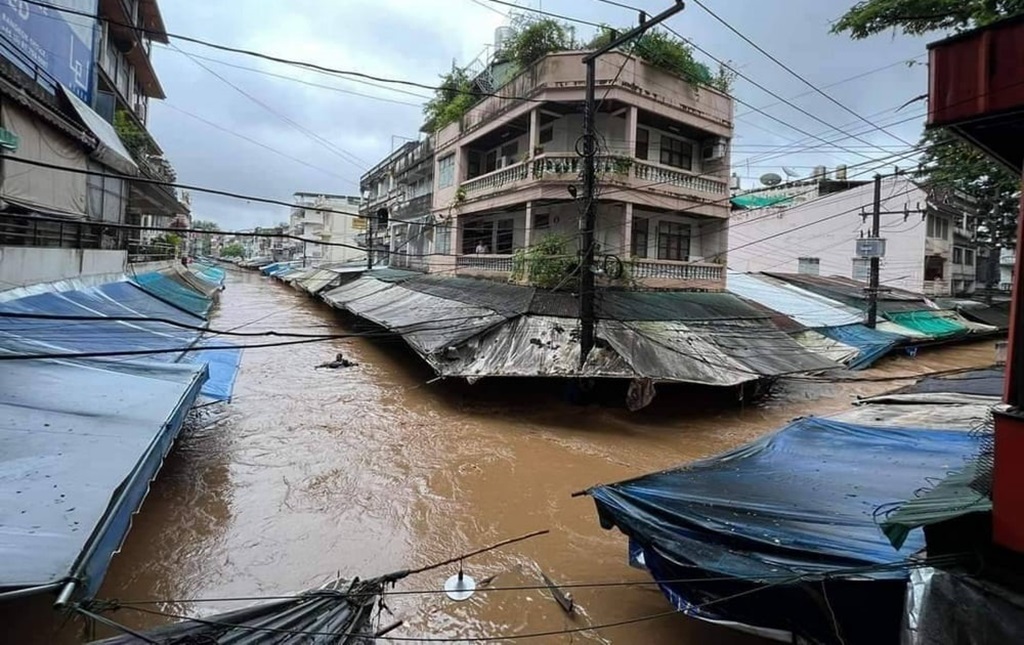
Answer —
(790, 172)
(771, 179)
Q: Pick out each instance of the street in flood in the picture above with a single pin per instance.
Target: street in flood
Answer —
(371, 469)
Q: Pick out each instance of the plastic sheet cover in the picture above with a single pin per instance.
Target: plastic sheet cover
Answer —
(799, 502)
(996, 315)
(957, 608)
(191, 280)
(806, 308)
(75, 466)
(872, 343)
(174, 293)
(826, 347)
(934, 323)
(223, 365)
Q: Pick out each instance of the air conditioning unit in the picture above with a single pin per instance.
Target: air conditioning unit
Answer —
(714, 150)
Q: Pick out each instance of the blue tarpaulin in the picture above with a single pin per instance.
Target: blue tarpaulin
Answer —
(223, 365)
(120, 299)
(174, 293)
(787, 511)
(79, 444)
(872, 343)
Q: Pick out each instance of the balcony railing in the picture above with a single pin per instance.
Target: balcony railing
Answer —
(497, 179)
(656, 173)
(669, 270)
(568, 166)
(936, 288)
(484, 263)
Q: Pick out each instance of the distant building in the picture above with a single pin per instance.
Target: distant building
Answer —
(397, 199)
(324, 222)
(813, 226)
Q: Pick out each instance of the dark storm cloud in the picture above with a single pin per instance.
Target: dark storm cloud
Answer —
(419, 40)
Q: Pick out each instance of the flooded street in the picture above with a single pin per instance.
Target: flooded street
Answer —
(373, 469)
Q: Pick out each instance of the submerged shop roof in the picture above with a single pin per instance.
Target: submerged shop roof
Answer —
(75, 467)
(475, 328)
(779, 514)
(853, 293)
(807, 308)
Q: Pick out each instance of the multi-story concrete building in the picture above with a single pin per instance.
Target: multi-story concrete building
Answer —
(813, 226)
(397, 200)
(322, 221)
(503, 175)
(75, 79)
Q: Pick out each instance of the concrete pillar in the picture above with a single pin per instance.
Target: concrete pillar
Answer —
(534, 131)
(528, 237)
(627, 231)
(631, 123)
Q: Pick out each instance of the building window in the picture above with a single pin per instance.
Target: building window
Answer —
(969, 257)
(958, 255)
(477, 237)
(547, 135)
(676, 153)
(934, 266)
(509, 152)
(938, 227)
(541, 221)
(673, 241)
(641, 225)
(443, 240)
(861, 269)
(504, 236)
(808, 266)
(446, 171)
(491, 161)
(643, 143)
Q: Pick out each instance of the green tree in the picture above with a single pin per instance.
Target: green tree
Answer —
(917, 17)
(452, 99)
(233, 250)
(948, 161)
(533, 38)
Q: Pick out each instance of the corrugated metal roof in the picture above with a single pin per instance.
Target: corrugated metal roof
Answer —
(805, 307)
(852, 293)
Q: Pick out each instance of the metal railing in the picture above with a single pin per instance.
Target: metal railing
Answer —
(481, 262)
(671, 270)
(18, 230)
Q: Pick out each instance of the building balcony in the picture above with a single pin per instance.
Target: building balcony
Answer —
(639, 273)
(936, 288)
(641, 181)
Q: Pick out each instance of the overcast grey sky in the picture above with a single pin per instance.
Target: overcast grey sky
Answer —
(277, 136)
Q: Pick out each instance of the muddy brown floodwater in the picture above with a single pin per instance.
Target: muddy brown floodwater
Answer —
(373, 469)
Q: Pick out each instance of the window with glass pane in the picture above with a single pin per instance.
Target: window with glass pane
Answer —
(643, 143)
(546, 135)
(673, 241)
(446, 171)
(958, 255)
(504, 238)
(639, 245)
(676, 153)
(969, 257)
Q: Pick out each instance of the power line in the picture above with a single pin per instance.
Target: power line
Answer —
(803, 80)
(341, 153)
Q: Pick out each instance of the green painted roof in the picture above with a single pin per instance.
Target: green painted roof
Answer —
(760, 201)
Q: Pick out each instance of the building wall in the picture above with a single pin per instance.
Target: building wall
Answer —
(22, 266)
(774, 239)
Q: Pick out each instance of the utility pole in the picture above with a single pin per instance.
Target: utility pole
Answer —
(876, 221)
(369, 243)
(588, 317)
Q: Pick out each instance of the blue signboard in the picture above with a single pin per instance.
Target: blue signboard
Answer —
(51, 45)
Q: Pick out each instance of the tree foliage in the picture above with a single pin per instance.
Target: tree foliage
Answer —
(916, 17)
(549, 264)
(131, 135)
(673, 55)
(533, 38)
(949, 162)
(451, 101)
(233, 250)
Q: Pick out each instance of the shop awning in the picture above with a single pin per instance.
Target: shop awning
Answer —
(110, 151)
(174, 293)
(872, 343)
(806, 308)
(935, 323)
(80, 443)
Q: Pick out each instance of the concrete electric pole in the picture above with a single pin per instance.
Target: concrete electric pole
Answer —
(588, 316)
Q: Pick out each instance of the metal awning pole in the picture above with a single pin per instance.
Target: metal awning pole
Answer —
(65, 594)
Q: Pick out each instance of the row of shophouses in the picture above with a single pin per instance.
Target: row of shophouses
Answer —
(76, 81)
(463, 200)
